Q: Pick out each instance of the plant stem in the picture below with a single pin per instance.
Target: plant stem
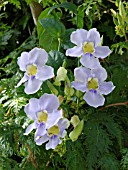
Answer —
(31, 157)
(114, 104)
(59, 44)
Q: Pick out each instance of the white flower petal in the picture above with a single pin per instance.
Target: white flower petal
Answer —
(23, 80)
(101, 51)
(63, 124)
(41, 140)
(30, 128)
(106, 87)
(23, 61)
(89, 61)
(99, 73)
(93, 36)
(94, 99)
(74, 52)
(38, 56)
(32, 85)
(41, 130)
(49, 102)
(53, 142)
(45, 73)
(79, 36)
(32, 108)
(81, 74)
(53, 118)
(79, 86)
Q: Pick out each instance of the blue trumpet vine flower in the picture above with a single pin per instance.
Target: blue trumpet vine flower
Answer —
(48, 120)
(87, 46)
(93, 83)
(36, 72)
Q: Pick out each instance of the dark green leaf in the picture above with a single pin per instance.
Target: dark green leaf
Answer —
(47, 42)
(55, 59)
(108, 161)
(68, 5)
(54, 27)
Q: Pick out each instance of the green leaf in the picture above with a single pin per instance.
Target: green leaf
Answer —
(109, 161)
(120, 21)
(43, 14)
(124, 160)
(75, 156)
(54, 27)
(67, 5)
(77, 131)
(80, 17)
(55, 59)
(65, 41)
(52, 88)
(122, 11)
(47, 42)
(15, 2)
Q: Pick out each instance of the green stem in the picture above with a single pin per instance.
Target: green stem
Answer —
(59, 44)
(126, 39)
(77, 109)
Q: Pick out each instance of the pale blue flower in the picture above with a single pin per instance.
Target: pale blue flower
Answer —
(93, 83)
(54, 135)
(33, 64)
(44, 111)
(88, 47)
(48, 120)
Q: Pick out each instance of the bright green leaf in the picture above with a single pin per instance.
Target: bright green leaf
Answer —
(77, 131)
(122, 11)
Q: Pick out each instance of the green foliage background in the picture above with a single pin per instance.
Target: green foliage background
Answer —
(103, 144)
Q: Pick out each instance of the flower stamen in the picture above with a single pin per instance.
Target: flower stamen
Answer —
(93, 83)
(54, 130)
(42, 116)
(31, 69)
(88, 47)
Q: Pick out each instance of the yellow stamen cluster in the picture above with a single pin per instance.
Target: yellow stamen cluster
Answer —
(42, 116)
(88, 47)
(31, 70)
(93, 83)
(54, 130)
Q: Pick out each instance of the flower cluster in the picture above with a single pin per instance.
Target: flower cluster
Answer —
(48, 120)
(90, 77)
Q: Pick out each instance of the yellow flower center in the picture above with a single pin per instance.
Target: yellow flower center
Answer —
(42, 116)
(31, 70)
(93, 83)
(54, 130)
(88, 47)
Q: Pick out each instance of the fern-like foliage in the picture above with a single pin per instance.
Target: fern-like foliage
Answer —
(75, 156)
(100, 131)
(108, 161)
(124, 161)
